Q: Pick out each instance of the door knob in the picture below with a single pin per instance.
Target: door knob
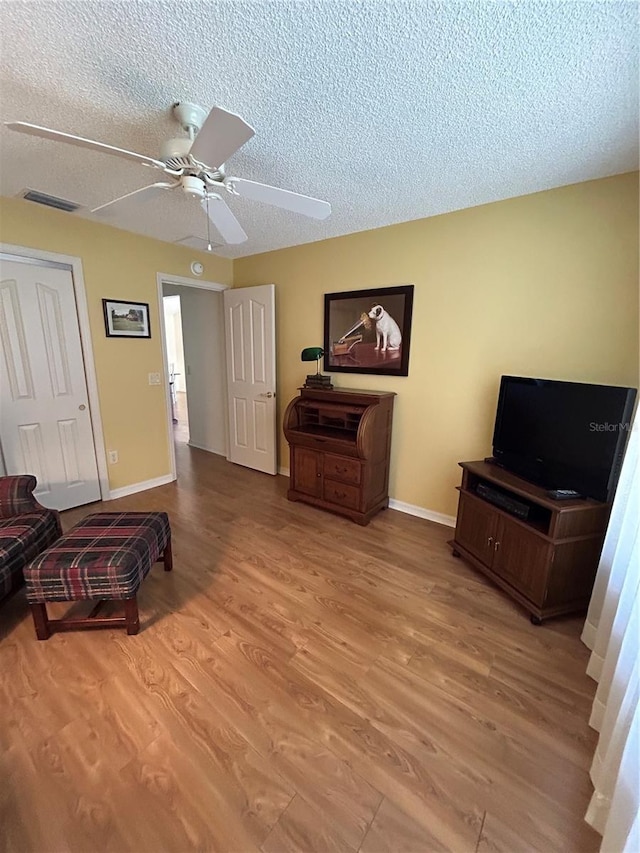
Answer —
(82, 407)
(267, 394)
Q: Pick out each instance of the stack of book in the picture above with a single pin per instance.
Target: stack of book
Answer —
(318, 380)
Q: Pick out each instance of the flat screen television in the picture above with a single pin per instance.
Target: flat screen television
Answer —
(563, 435)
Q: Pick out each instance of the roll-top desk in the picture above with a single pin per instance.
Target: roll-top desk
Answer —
(340, 442)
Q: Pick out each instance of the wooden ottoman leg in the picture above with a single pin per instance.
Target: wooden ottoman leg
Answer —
(40, 621)
(131, 617)
(167, 557)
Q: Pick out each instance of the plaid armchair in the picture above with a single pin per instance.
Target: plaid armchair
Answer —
(26, 529)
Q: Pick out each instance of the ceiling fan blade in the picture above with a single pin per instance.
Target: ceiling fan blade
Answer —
(58, 136)
(219, 137)
(286, 199)
(224, 220)
(142, 195)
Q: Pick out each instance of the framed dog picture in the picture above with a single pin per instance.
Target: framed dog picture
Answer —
(368, 331)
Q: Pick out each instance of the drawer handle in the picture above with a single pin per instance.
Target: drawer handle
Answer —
(496, 546)
(490, 541)
(318, 474)
(339, 470)
(340, 494)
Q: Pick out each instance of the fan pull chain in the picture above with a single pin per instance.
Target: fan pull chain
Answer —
(209, 249)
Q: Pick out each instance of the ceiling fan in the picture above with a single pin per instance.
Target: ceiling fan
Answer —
(195, 164)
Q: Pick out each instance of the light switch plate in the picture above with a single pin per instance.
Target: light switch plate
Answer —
(154, 379)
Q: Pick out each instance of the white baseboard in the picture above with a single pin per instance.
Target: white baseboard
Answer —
(409, 509)
(595, 666)
(218, 452)
(589, 632)
(421, 512)
(140, 487)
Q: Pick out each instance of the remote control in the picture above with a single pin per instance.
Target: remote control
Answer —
(563, 494)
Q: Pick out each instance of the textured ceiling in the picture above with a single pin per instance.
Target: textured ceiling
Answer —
(389, 110)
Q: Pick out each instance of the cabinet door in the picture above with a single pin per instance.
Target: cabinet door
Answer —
(522, 558)
(307, 471)
(475, 527)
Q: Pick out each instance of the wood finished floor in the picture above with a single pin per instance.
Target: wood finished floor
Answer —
(299, 684)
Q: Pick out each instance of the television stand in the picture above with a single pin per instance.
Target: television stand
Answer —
(542, 552)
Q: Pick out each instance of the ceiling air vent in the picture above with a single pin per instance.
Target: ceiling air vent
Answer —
(49, 200)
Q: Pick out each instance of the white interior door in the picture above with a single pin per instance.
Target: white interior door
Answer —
(45, 422)
(250, 336)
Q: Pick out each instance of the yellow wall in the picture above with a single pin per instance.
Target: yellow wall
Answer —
(541, 285)
(117, 265)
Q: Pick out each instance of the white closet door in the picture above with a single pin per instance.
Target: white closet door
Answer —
(45, 422)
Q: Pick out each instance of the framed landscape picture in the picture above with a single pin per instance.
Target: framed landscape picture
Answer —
(126, 319)
(368, 331)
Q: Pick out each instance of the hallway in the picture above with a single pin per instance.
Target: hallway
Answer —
(181, 428)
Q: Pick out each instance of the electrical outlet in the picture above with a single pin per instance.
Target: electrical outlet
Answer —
(154, 379)
(113, 457)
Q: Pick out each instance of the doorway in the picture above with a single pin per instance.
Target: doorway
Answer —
(192, 314)
(230, 376)
(176, 368)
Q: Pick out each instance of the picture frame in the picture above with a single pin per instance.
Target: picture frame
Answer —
(124, 319)
(358, 324)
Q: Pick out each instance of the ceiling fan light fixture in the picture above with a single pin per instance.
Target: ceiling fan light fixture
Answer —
(193, 186)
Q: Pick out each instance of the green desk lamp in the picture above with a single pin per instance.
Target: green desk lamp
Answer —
(317, 379)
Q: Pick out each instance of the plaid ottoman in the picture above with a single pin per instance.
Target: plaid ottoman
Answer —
(104, 557)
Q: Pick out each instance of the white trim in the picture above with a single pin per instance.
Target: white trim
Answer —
(208, 449)
(596, 720)
(168, 278)
(191, 282)
(74, 264)
(134, 488)
(36, 262)
(589, 632)
(421, 512)
(401, 506)
(595, 666)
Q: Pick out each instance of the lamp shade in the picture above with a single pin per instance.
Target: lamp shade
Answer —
(311, 354)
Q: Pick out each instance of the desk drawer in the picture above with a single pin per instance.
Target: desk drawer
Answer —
(342, 494)
(339, 468)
